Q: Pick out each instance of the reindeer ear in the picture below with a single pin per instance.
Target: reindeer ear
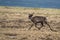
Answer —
(31, 13)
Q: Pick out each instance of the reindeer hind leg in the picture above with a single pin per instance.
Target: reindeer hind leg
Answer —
(48, 25)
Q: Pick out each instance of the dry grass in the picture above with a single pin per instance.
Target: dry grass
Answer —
(14, 24)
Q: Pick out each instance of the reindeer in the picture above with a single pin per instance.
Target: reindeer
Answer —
(38, 19)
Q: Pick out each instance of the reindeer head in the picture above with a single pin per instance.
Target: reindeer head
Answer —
(30, 15)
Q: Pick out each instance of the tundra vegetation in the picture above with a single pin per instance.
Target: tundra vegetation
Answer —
(14, 23)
